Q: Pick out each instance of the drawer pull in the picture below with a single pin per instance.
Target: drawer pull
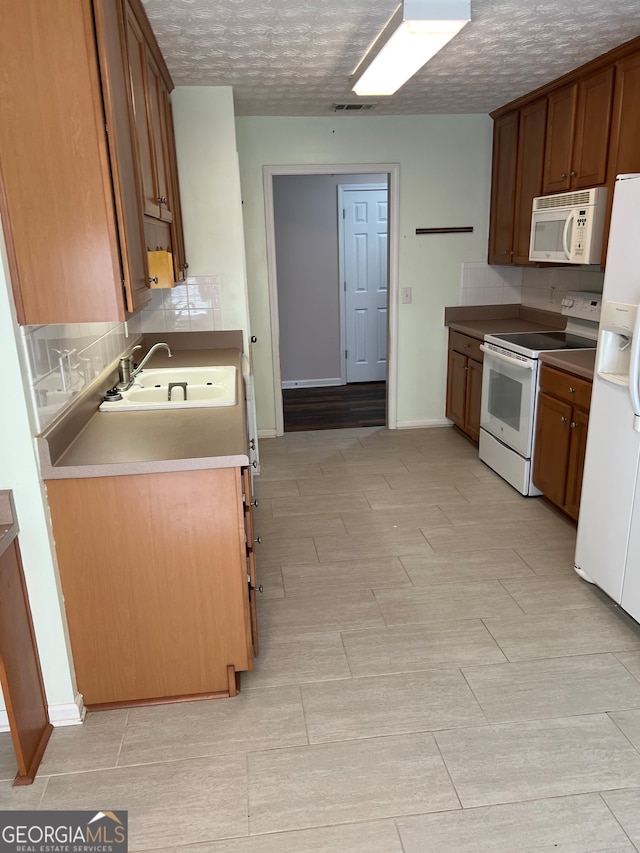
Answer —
(572, 390)
(573, 424)
(563, 420)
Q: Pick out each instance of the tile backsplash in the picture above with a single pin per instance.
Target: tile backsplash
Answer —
(545, 288)
(484, 285)
(62, 360)
(191, 307)
(534, 287)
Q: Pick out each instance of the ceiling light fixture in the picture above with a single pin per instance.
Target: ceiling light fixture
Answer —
(416, 31)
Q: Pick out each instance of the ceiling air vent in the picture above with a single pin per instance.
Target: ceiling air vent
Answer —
(353, 108)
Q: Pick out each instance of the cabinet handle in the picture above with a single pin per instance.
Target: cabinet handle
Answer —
(563, 176)
(253, 339)
(563, 420)
(258, 540)
(185, 266)
(259, 588)
(574, 174)
(573, 424)
(254, 503)
(153, 280)
(572, 390)
(162, 199)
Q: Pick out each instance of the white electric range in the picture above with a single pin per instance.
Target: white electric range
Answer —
(510, 387)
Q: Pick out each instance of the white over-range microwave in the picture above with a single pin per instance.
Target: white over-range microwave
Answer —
(567, 228)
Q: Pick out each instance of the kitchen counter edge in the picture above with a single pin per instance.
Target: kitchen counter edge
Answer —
(109, 444)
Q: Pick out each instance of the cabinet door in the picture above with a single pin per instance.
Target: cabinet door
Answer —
(559, 141)
(593, 123)
(159, 135)
(165, 613)
(579, 424)
(180, 264)
(56, 191)
(137, 53)
(625, 131)
(20, 674)
(531, 139)
(456, 388)
(551, 452)
(111, 41)
(503, 184)
(473, 399)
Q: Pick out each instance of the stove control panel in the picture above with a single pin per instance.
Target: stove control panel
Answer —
(582, 305)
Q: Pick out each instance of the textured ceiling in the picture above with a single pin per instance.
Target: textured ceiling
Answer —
(295, 58)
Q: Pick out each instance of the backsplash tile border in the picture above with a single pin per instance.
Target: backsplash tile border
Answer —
(62, 360)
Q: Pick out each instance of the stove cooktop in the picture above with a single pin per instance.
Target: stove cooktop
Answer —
(533, 343)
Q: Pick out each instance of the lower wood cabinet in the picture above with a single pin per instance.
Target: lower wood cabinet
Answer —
(158, 577)
(20, 674)
(464, 384)
(560, 439)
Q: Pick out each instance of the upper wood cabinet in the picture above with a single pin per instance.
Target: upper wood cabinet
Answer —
(578, 129)
(57, 198)
(503, 188)
(577, 132)
(72, 159)
(518, 159)
(530, 164)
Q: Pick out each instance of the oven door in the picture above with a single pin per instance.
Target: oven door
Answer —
(508, 397)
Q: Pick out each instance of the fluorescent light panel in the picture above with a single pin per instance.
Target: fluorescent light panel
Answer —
(416, 31)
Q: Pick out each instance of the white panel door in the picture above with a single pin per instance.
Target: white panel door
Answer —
(365, 237)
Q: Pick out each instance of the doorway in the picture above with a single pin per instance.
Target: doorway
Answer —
(373, 342)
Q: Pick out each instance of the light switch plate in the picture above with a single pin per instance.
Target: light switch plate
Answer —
(405, 295)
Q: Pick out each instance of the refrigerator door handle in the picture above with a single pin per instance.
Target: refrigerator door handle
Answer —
(634, 373)
(565, 234)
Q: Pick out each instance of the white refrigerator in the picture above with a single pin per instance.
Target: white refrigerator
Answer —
(608, 542)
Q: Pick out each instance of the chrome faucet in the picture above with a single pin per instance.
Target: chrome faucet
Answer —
(128, 372)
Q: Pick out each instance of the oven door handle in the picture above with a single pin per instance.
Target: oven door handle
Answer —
(514, 362)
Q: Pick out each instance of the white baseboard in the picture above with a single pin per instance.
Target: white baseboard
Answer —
(71, 714)
(440, 422)
(312, 383)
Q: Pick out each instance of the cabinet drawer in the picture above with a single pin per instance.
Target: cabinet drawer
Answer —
(465, 345)
(566, 387)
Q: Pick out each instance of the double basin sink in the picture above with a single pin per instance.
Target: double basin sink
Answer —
(176, 388)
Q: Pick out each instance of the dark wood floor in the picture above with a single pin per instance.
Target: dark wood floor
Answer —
(359, 404)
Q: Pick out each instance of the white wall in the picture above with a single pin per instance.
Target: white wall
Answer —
(307, 259)
(19, 472)
(210, 193)
(445, 164)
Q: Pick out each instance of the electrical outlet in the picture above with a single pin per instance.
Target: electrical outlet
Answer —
(405, 295)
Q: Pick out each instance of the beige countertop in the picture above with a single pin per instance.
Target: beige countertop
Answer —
(103, 444)
(480, 320)
(578, 362)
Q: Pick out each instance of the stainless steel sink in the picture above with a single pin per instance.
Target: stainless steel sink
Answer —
(177, 388)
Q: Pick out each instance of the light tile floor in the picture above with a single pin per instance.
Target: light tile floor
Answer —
(434, 677)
